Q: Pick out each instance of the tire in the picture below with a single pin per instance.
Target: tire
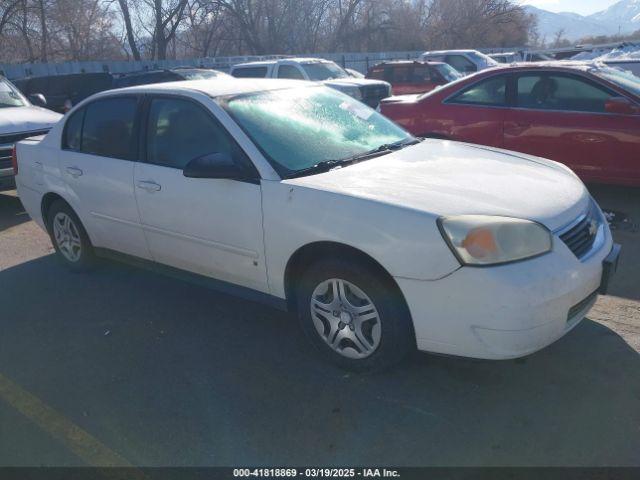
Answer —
(69, 238)
(368, 322)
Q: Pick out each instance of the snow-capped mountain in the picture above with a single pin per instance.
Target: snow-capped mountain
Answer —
(621, 17)
(573, 26)
(624, 14)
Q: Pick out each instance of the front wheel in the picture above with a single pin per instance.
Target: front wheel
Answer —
(355, 316)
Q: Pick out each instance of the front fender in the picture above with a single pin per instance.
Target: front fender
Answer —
(407, 243)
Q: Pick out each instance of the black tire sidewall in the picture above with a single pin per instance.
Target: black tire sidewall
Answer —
(87, 256)
(397, 337)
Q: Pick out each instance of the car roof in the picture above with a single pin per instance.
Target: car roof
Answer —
(217, 87)
(141, 73)
(407, 62)
(260, 63)
(440, 52)
(554, 64)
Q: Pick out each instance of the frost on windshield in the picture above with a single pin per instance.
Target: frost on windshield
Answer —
(9, 97)
(298, 128)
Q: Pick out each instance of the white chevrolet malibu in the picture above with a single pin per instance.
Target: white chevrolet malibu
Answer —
(300, 196)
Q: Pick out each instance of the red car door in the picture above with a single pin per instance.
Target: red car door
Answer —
(564, 117)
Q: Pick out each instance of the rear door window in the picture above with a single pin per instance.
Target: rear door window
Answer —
(401, 74)
(290, 71)
(420, 74)
(250, 72)
(108, 129)
(461, 63)
(489, 92)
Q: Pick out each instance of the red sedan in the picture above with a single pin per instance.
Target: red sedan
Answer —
(584, 115)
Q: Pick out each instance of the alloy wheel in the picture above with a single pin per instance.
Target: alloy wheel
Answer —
(67, 237)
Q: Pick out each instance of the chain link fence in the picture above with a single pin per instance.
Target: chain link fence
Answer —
(356, 61)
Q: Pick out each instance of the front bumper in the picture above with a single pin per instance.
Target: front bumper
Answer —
(507, 311)
(7, 180)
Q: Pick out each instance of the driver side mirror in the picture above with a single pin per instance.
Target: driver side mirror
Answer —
(621, 106)
(38, 99)
(215, 165)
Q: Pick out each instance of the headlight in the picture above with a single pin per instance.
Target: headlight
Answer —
(353, 92)
(488, 240)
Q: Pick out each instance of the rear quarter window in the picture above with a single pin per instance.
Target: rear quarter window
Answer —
(71, 139)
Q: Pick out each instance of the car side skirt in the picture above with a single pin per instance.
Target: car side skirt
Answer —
(196, 279)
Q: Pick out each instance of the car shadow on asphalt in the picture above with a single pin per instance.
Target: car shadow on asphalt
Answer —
(11, 212)
(168, 373)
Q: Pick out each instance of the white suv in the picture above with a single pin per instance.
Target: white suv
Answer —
(299, 196)
(19, 119)
(464, 61)
(318, 70)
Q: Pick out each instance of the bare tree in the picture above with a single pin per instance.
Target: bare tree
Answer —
(167, 14)
(7, 10)
(128, 25)
(52, 30)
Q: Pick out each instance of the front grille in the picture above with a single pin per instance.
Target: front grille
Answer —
(7, 141)
(580, 306)
(5, 157)
(581, 236)
(372, 94)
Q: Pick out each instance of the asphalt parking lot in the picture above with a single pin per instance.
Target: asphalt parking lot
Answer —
(123, 366)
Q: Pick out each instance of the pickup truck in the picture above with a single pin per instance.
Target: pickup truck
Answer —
(19, 119)
(318, 70)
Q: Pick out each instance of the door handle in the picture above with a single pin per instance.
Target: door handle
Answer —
(75, 172)
(149, 186)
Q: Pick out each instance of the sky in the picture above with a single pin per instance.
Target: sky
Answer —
(583, 7)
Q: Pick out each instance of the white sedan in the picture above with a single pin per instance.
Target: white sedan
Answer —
(300, 196)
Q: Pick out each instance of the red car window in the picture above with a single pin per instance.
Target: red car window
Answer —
(420, 74)
(490, 92)
(561, 92)
(401, 75)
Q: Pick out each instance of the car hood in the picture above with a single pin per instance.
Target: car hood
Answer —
(444, 178)
(26, 119)
(407, 98)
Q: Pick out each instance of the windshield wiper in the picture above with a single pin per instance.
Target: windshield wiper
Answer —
(327, 165)
(319, 167)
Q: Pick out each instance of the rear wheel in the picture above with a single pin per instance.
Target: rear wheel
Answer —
(69, 237)
(354, 316)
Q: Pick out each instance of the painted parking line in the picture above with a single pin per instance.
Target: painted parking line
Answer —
(77, 440)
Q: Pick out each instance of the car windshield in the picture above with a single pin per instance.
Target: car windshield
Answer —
(324, 71)
(197, 74)
(624, 79)
(299, 128)
(481, 57)
(10, 96)
(448, 72)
